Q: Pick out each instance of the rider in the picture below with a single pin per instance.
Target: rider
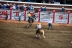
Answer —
(29, 15)
(32, 14)
(39, 26)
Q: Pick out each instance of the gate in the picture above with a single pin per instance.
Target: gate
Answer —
(45, 16)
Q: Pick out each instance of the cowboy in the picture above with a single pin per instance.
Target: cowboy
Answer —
(29, 15)
(39, 26)
(50, 24)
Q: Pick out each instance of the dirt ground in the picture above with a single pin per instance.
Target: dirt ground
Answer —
(15, 35)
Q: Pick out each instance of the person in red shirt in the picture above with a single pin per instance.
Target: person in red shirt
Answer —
(6, 15)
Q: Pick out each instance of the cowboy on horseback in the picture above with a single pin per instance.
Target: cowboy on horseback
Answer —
(39, 26)
(31, 15)
(39, 31)
(30, 19)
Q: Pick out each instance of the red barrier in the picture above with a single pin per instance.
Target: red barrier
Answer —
(10, 12)
(53, 15)
(25, 14)
(3, 15)
(3, 12)
(68, 17)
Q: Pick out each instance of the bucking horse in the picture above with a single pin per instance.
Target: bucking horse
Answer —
(31, 20)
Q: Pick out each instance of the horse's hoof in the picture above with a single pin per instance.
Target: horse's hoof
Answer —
(40, 38)
(36, 36)
(44, 37)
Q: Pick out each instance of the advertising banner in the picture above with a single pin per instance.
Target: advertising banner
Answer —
(60, 18)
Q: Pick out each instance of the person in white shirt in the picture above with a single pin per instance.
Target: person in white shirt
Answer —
(50, 24)
(20, 14)
(39, 26)
(14, 7)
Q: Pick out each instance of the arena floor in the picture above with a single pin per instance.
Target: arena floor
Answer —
(15, 35)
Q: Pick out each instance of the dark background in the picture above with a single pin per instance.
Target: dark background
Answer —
(39, 1)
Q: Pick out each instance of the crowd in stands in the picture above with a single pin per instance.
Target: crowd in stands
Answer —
(16, 6)
(21, 7)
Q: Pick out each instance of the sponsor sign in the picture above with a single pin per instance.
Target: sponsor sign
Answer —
(60, 18)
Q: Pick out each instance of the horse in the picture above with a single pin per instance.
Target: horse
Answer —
(39, 33)
(30, 21)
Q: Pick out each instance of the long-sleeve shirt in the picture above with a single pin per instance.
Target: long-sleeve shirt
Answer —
(39, 26)
(50, 21)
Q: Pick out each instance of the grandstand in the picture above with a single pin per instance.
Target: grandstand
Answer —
(49, 6)
(45, 15)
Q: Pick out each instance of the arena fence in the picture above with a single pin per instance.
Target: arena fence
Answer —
(42, 16)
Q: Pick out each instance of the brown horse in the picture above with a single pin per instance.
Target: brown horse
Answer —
(41, 32)
(30, 21)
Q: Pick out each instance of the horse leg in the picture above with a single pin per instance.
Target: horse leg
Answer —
(39, 36)
(30, 24)
(43, 35)
(36, 35)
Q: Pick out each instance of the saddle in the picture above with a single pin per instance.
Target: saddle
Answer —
(38, 31)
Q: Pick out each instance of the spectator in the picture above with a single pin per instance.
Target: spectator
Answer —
(14, 6)
(7, 6)
(20, 14)
(6, 15)
(21, 8)
(52, 1)
(41, 8)
(31, 8)
(28, 7)
(10, 5)
(50, 23)
(4, 6)
(63, 10)
(44, 8)
(24, 6)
